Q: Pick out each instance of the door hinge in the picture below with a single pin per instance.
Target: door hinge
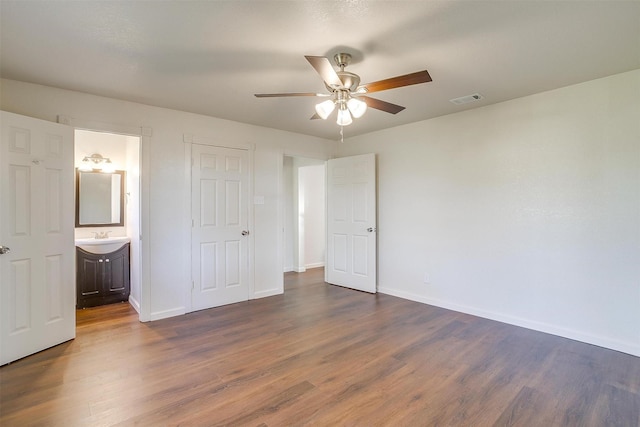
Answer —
(193, 285)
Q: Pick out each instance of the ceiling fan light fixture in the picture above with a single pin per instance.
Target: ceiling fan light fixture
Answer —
(325, 108)
(357, 107)
(344, 117)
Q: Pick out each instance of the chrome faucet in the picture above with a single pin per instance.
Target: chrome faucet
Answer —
(101, 234)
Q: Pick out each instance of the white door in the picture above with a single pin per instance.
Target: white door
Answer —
(37, 276)
(351, 222)
(220, 234)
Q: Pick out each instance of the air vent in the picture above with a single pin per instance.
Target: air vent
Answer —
(467, 99)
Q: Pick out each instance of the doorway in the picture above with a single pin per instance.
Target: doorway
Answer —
(124, 153)
(304, 213)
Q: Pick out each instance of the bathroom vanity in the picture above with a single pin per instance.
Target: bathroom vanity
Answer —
(102, 271)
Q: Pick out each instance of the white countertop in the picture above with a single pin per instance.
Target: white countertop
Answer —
(91, 241)
(102, 246)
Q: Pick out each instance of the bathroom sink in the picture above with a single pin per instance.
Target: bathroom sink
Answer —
(102, 246)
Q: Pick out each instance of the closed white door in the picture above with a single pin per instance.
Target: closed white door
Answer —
(351, 222)
(220, 233)
(37, 226)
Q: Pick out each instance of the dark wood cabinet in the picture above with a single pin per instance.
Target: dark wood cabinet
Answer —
(102, 278)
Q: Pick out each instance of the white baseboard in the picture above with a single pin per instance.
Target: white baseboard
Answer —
(600, 341)
(178, 311)
(315, 265)
(267, 293)
(134, 303)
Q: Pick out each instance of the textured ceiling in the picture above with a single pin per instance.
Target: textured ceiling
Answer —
(210, 57)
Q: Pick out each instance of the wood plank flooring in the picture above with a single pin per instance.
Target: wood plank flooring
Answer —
(318, 355)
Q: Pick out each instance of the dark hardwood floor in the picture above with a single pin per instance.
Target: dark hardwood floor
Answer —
(318, 355)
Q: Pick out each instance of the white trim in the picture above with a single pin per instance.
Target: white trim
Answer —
(187, 223)
(134, 303)
(144, 133)
(268, 293)
(280, 219)
(598, 340)
(251, 224)
(97, 126)
(145, 228)
(314, 265)
(288, 152)
(179, 311)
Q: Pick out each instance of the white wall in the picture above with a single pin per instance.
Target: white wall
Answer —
(526, 211)
(167, 272)
(288, 197)
(311, 182)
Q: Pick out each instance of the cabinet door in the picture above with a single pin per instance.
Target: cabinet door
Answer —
(89, 275)
(116, 272)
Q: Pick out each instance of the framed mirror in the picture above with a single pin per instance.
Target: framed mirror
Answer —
(99, 199)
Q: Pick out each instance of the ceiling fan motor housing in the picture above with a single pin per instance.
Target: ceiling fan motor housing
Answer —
(350, 81)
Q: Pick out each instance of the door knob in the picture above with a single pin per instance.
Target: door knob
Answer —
(4, 250)
(371, 229)
(245, 232)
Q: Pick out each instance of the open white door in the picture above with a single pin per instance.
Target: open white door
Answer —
(220, 233)
(351, 222)
(37, 277)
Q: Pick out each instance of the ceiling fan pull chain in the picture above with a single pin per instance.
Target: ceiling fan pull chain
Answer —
(342, 134)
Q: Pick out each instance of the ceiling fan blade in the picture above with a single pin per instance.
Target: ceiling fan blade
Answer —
(315, 116)
(385, 106)
(275, 95)
(400, 81)
(323, 66)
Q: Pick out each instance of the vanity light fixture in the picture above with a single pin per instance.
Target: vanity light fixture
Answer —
(97, 162)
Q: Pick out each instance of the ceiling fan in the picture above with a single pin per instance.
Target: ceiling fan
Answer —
(347, 94)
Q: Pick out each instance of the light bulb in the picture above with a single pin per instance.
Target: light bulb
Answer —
(85, 166)
(344, 117)
(325, 108)
(108, 167)
(357, 107)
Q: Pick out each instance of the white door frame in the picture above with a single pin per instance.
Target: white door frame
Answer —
(281, 207)
(144, 133)
(189, 139)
